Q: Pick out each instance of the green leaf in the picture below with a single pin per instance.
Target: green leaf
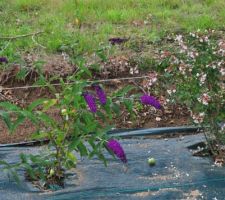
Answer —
(107, 108)
(9, 106)
(73, 144)
(15, 176)
(23, 158)
(45, 118)
(36, 103)
(4, 163)
(20, 120)
(82, 149)
(6, 118)
(87, 117)
(102, 157)
(101, 54)
(59, 137)
(40, 135)
(21, 75)
(83, 70)
(129, 105)
(70, 164)
(49, 103)
(101, 115)
(123, 91)
(8, 168)
(29, 115)
(72, 157)
(116, 109)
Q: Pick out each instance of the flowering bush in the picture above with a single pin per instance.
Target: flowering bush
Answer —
(86, 114)
(195, 74)
(77, 127)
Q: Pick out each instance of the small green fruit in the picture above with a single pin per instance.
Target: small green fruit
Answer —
(151, 161)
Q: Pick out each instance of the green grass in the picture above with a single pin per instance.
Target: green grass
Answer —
(99, 19)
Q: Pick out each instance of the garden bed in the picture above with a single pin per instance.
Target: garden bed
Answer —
(68, 88)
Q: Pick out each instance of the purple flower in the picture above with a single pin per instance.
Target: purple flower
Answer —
(100, 93)
(90, 100)
(3, 60)
(150, 100)
(117, 149)
(117, 40)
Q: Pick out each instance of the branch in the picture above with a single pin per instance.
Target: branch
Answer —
(141, 88)
(20, 36)
(37, 42)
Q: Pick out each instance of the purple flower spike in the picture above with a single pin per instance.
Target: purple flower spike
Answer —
(3, 60)
(90, 100)
(117, 149)
(117, 40)
(100, 93)
(150, 100)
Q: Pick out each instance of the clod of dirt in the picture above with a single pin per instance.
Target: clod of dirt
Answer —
(49, 66)
(114, 67)
(53, 65)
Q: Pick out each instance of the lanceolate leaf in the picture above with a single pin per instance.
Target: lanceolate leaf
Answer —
(30, 116)
(9, 106)
(123, 91)
(115, 107)
(128, 104)
(82, 149)
(6, 118)
(73, 145)
(36, 103)
(45, 118)
(20, 119)
(49, 103)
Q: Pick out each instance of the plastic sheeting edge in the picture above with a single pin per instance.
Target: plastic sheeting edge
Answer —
(120, 133)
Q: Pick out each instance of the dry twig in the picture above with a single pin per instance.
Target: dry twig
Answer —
(20, 36)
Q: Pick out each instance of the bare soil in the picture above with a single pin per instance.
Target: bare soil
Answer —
(58, 65)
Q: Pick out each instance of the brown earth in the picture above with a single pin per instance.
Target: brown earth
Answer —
(58, 65)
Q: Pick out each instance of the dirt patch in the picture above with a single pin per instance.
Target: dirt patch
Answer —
(24, 131)
(193, 195)
(53, 65)
(173, 174)
(154, 193)
(33, 65)
(115, 67)
(59, 66)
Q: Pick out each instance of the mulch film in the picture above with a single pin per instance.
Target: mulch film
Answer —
(176, 175)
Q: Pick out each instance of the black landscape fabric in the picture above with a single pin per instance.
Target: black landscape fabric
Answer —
(176, 175)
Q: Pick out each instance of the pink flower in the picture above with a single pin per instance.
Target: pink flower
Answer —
(198, 118)
(204, 99)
